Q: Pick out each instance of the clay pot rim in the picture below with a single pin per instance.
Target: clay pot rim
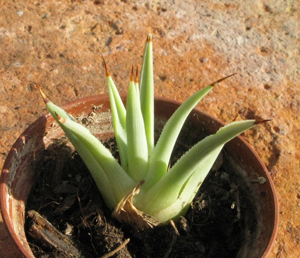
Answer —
(7, 163)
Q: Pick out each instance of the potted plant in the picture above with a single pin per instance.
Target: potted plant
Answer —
(141, 190)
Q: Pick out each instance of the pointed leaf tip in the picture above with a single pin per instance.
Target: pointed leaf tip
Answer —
(131, 77)
(222, 79)
(262, 121)
(137, 75)
(46, 100)
(236, 117)
(106, 70)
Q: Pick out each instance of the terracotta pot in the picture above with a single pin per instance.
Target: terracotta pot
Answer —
(18, 172)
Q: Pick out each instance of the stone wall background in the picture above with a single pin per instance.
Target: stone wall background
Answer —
(58, 44)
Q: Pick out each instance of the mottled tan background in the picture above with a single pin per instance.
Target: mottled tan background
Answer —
(59, 44)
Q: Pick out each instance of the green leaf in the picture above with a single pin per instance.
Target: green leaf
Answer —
(96, 171)
(188, 190)
(120, 182)
(159, 160)
(136, 137)
(147, 93)
(119, 119)
(168, 189)
(84, 141)
(53, 109)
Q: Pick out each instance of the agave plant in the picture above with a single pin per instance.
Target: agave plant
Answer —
(142, 190)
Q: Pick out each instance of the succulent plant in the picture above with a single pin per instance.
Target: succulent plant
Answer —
(142, 190)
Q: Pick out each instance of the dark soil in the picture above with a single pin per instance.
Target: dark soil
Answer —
(67, 197)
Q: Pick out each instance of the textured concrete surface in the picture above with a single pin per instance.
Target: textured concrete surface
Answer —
(58, 44)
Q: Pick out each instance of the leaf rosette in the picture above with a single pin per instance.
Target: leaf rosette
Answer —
(142, 190)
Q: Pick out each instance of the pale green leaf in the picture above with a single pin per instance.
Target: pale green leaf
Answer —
(119, 121)
(168, 189)
(96, 171)
(159, 160)
(147, 93)
(136, 137)
(120, 182)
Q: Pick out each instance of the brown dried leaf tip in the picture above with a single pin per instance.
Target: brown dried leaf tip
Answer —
(236, 117)
(106, 70)
(222, 79)
(131, 77)
(46, 100)
(149, 37)
(262, 121)
(137, 75)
